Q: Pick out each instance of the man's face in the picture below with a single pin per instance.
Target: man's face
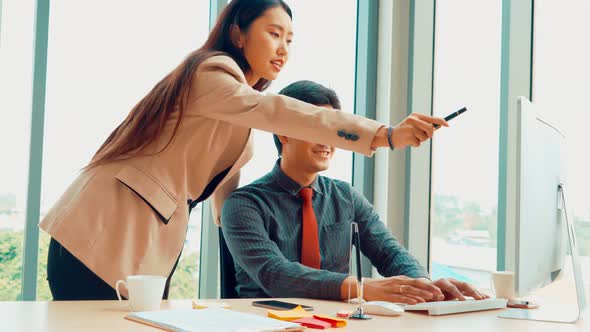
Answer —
(309, 157)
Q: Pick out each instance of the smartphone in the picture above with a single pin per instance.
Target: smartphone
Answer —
(280, 305)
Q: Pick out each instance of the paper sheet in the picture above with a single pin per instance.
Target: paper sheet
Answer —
(210, 320)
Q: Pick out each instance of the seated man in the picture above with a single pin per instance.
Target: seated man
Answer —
(289, 231)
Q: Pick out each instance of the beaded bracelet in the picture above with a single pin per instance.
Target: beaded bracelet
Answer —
(389, 131)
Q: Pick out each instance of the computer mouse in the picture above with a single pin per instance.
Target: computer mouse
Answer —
(382, 308)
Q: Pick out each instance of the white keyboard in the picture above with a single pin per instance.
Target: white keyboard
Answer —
(452, 307)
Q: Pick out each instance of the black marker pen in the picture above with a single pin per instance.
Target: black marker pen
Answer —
(452, 115)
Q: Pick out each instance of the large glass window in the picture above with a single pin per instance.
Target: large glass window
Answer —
(465, 156)
(99, 66)
(322, 52)
(16, 51)
(561, 69)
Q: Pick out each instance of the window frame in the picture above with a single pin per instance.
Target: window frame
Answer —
(418, 160)
(0, 22)
(31, 234)
(365, 95)
(405, 86)
(516, 80)
(209, 253)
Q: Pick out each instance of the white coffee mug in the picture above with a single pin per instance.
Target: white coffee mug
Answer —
(144, 291)
(503, 284)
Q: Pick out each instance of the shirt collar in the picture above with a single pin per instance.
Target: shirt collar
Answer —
(288, 184)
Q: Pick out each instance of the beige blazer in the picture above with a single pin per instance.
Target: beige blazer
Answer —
(130, 216)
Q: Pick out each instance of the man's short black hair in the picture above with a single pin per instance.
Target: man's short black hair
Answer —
(309, 92)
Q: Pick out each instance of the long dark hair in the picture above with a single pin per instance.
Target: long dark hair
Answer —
(146, 120)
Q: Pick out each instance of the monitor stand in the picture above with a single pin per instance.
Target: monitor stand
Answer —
(558, 313)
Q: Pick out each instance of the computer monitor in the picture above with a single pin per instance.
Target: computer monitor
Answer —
(543, 230)
(540, 242)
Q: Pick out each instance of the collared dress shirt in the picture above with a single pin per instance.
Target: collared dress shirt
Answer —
(261, 223)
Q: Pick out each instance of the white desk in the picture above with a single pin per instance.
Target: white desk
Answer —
(108, 316)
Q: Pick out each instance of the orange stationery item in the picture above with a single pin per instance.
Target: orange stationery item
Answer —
(344, 313)
(313, 323)
(289, 315)
(336, 322)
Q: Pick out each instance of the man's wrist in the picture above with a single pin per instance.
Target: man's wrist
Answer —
(348, 285)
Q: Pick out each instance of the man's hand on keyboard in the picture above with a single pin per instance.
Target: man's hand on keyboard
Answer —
(401, 289)
(455, 289)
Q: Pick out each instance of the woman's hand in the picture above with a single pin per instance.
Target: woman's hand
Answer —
(415, 129)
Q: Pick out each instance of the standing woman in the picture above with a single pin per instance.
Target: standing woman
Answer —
(127, 212)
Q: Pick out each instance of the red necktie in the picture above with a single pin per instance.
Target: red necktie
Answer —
(310, 244)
